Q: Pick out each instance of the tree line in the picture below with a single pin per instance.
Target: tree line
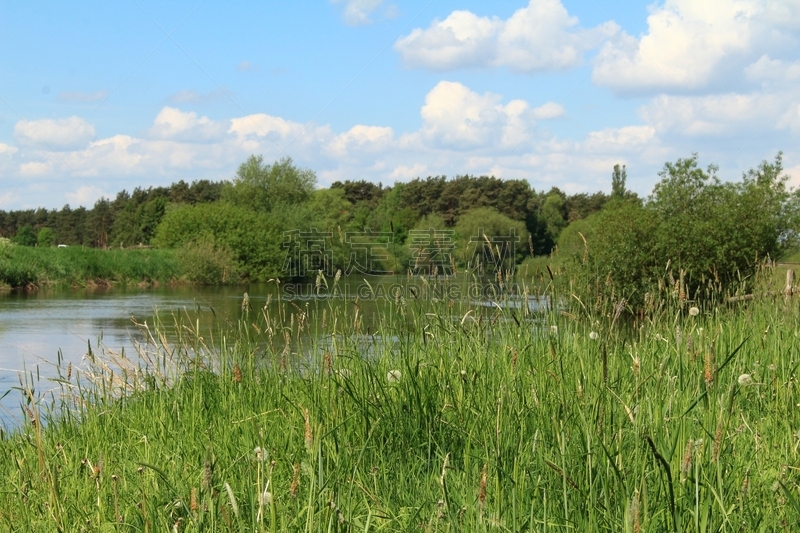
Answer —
(131, 218)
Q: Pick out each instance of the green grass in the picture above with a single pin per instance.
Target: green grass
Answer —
(22, 266)
(437, 419)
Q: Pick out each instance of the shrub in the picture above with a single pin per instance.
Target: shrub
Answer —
(206, 262)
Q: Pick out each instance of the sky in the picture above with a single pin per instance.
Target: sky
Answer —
(97, 97)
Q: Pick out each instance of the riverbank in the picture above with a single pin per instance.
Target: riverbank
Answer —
(298, 418)
(74, 266)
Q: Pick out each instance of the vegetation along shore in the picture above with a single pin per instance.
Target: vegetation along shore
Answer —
(635, 368)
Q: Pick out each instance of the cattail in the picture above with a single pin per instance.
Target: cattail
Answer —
(482, 487)
(309, 434)
(295, 481)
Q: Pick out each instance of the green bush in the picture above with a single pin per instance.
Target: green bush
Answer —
(206, 262)
(693, 232)
(254, 239)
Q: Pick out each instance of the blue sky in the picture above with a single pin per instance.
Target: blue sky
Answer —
(96, 97)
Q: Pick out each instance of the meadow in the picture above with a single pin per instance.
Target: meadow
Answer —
(430, 415)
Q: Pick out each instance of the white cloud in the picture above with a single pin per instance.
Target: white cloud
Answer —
(771, 71)
(7, 150)
(409, 172)
(692, 45)
(82, 96)
(360, 138)
(85, 195)
(244, 66)
(619, 139)
(458, 118)
(54, 134)
(540, 36)
(357, 12)
(722, 115)
(172, 123)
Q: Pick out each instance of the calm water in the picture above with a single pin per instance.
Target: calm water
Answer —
(39, 328)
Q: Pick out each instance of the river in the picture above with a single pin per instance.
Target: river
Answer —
(39, 329)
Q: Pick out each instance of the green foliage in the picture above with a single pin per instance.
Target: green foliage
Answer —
(695, 229)
(205, 262)
(508, 238)
(552, 214)
(263, 187)
(618, 178)
(255, 239)
(25, 236)
(21, 266)
(500, 421)
(45, 238)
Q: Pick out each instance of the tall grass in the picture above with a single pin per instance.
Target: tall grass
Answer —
(437, 418)
(22, 266)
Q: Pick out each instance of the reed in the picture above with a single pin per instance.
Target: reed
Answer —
(439, 418)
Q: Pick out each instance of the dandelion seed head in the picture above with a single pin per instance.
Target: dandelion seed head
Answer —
(593, 335)
(554, 329)
(745, 379)
(393, 376)
(259, 454)
(694, 311)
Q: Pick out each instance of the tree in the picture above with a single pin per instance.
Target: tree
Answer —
(262, 187)
(618, 178)
(696, 229)
(25, 236)
(552, 214)
(45, 238)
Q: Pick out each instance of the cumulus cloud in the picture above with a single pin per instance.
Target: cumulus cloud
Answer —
(7, 150)
(409, 172)
(360, 138)
(85, 195)
(693, 45)
(54, 134)
(172, 123)
(458, 118)
(357, 12)
(619, 139)
(721, 114)
(540, 36)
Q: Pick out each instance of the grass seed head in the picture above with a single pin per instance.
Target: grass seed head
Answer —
(295, 481)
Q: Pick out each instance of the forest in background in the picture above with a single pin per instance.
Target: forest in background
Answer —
(131, 218)
(706, 233)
